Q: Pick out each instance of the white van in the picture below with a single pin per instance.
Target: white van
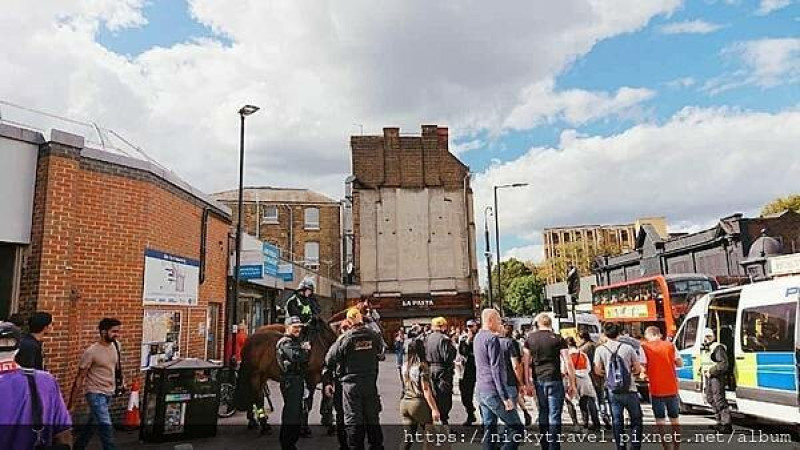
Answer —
(565, 327)
(758, 325)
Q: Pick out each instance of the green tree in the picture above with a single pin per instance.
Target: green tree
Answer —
(781, 204)
(510, 269)
(525, 296)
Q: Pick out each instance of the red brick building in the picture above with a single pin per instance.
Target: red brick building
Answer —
(412, 230)
(110, 236)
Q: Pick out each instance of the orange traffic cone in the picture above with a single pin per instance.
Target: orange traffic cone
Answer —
(132, 420)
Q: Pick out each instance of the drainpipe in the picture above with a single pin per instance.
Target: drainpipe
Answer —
(469, 235)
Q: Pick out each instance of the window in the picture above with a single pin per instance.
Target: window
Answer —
(312, 219)
(688, 334)
(312, 255)
(769, 328)
(270, 214)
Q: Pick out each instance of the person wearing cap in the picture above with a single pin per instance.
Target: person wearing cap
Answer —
(714, 367)
(292, 354)
(17, 386)
(355, 356)
(441, 356)
(466, 385)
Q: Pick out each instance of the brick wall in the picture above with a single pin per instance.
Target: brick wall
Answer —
(328, 234)
(92, 222)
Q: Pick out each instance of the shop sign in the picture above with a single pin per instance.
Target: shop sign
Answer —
(416, 302)
(251, 272)
(271, 255)
(286, 271)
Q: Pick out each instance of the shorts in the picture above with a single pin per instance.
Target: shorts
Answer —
(665, 406)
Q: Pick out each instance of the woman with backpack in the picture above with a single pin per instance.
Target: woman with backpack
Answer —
(587, 397)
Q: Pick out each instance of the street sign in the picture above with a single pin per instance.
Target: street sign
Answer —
(271, 255)
(251, 272)
(286, 271)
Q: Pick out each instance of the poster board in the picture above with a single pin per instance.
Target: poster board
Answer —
(170, 279)
(161, 332)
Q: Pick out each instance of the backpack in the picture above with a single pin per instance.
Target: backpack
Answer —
(618, 375)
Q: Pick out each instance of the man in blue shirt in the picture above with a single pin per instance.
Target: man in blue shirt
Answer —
(496, 402)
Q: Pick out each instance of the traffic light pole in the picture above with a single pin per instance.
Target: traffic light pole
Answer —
(488, 253)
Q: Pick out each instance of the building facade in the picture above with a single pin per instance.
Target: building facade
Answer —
(580, 243)
(717, 251)
(412, 251)
(305, 225)
(97, 234)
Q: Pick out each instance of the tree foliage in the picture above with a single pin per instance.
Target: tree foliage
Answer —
(790, 202)
(525, 296)
(510, 269)
(555, 269)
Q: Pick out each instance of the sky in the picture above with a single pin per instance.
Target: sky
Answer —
(609, 109)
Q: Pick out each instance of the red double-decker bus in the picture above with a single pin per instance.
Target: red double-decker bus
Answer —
(661, 300)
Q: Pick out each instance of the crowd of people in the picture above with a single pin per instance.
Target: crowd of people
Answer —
(500, 368)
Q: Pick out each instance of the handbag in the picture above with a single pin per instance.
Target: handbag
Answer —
(36, 413)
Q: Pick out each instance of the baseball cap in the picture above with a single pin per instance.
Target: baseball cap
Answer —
(439, 322)
(293, 320)
(354, 314)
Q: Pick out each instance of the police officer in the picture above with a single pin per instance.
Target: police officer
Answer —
(292, 355)
(467, 383)
(714, 367)
(302, 303)
(332, 388)
(356, 354)
(441, 356)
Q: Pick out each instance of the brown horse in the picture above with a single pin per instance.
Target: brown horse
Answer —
(260, 363)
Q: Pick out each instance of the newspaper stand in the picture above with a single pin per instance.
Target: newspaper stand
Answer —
(180, 401)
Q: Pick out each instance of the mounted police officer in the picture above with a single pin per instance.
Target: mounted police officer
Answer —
(441, 355)
(292, 354)
(714, 367)
(303, 303)
(356, 354)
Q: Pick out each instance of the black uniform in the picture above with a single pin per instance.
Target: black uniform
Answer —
(715, 385)
(356, 355)
(441, 356)
(293, 361)
(467, 383)
(29, 354)
(331, 377)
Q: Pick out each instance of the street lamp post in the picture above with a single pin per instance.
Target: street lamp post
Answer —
(497, 240)
(488, 252)
(245, 111)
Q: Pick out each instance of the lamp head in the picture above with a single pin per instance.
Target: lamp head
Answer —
(248, 109)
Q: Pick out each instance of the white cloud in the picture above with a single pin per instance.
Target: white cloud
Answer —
(684, 82)
(540, 103)
(534, 253)
(315, 68)
(764, 63)
(700, 165)
(459, 149)
(768, 6)
(690, 27)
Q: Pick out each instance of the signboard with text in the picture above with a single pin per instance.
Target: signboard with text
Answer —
(251, 272)
(416, 302)
(271, 255)
(170, 279)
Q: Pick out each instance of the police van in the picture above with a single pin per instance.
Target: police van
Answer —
(565, 326)
(757, 323)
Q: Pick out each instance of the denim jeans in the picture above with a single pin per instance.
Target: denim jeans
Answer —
(550, 398)
(620, 403)
(492, 408)
(100, 419)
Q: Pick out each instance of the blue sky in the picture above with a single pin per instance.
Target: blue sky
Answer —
(609, 109)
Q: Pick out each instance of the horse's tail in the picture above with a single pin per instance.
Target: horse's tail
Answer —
(244, 395)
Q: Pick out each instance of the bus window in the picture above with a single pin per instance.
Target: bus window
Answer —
(769, 328)
(688, 335)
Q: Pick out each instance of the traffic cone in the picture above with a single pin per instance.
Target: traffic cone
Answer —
(132, 420)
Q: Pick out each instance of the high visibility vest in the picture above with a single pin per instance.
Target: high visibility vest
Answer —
(705, 358)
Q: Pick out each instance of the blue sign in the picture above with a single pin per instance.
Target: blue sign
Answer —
(251, 272)
(286, 271)
(271, 255)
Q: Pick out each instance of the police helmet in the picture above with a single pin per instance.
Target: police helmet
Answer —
(307, 283)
